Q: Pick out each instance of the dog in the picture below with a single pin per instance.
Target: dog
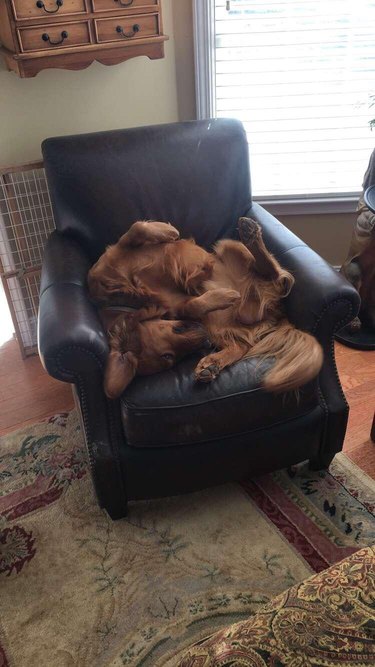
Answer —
(142, 343)
(234, 296)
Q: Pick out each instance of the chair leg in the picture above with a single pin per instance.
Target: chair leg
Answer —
(117, 513)
(322, 461)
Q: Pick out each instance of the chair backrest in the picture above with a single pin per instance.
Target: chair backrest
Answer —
(194, 175)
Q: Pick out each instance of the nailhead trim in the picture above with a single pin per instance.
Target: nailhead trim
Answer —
(331, 351)
(91, 443)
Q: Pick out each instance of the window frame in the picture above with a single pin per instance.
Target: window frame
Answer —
(204, 57)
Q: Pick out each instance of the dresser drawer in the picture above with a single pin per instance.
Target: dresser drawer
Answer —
(108, 5)
(126, 28)
(54, 36)
(32, 9)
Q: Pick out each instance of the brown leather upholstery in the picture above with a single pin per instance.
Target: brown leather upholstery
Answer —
(169, 435)
(194, 412)
(193, 175)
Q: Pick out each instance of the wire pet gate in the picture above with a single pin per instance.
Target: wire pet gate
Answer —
(26, 221)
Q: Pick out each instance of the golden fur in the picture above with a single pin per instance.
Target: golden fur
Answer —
(236, 292)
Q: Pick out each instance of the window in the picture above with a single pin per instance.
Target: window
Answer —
(299, 75)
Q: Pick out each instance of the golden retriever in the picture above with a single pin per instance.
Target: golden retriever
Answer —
(235, 292)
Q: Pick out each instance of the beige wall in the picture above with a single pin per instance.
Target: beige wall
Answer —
(184, 52)
(137, 92)
(328, 235)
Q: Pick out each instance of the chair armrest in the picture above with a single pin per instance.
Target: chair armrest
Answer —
(322, 301)
(73, 348)
(72, 343)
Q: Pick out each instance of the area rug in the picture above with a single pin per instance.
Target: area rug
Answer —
(78, 590)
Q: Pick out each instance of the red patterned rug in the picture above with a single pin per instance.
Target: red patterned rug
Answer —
(82, 590)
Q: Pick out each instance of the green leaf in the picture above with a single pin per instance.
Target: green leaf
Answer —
(32, 445)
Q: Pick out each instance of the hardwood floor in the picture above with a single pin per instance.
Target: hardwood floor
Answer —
(28, 394)
(357, 373)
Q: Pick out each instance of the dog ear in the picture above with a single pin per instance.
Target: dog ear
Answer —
(286, 281)
(124, 333)
(119, 372)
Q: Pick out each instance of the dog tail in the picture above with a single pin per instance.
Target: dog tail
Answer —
(298, 357)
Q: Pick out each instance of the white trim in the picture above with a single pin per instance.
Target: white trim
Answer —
(204, 55)
(309, 205)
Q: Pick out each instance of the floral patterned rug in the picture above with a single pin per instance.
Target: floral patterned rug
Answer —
(78, 590)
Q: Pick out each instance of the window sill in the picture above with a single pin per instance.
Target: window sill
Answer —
(319, 205)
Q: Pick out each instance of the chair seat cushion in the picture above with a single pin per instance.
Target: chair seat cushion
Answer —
(171, 408)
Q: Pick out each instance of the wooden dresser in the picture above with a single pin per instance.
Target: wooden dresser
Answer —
(71, 34)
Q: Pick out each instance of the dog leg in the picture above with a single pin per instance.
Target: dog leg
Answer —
(209, 367)
(251, 236)
(149, 232)
(215, 299)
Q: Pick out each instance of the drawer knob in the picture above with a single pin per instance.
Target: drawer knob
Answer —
(46, 38)
(40, 4)
(124, 4)
(136, 28)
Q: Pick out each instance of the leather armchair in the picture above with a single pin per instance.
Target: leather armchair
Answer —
(168, 434)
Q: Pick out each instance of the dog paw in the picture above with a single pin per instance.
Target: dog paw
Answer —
(164, 232)
(172, 234)
(207, 373)
(222, 298)
(249, 230)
